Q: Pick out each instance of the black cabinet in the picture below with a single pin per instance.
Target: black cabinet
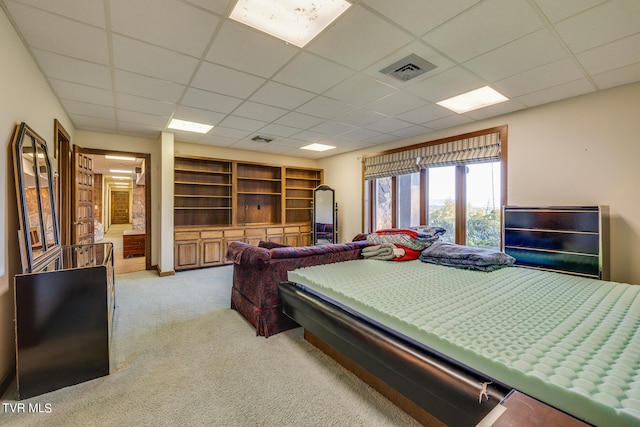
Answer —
(63, 319)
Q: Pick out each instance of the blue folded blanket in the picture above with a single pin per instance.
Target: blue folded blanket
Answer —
(467, 257)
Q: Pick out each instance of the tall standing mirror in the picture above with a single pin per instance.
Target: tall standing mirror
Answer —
(323, 216)
(35, 195)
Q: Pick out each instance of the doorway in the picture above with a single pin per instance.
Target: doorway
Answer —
(120, 207)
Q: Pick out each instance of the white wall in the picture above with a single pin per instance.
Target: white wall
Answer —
(25, 97)
(581, 151)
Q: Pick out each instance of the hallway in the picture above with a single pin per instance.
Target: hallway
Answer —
(121, 264)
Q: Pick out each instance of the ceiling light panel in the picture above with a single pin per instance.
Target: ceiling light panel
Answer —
(318, 147)
(294, 21)
(473, 100)
(189, 126)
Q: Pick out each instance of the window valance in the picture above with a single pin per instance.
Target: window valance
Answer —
(478, 149)
(384, 165)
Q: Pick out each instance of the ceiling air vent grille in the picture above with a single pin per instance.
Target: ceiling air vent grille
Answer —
(408, 68)
(262, 139)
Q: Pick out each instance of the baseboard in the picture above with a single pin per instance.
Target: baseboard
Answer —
(165, 273)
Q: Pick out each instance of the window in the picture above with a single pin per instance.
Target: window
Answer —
(460, 186)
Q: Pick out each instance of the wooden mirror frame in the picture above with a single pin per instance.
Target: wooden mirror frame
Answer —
(38, 235)
(325, 211)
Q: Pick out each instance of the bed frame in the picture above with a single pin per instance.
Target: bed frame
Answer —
(432, 388)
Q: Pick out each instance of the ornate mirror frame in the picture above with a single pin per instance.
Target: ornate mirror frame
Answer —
(35, 193)
(323, 218)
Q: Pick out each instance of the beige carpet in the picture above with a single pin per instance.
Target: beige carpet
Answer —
(180, 357)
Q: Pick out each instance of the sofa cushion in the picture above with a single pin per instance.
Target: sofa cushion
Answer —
(304, 251)
(271, 245)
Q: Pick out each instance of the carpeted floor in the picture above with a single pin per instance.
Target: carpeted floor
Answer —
(181, 357)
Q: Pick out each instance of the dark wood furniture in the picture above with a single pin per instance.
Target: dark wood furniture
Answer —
(219, 201)
(64, 313)
(133, 243)
(566, 239)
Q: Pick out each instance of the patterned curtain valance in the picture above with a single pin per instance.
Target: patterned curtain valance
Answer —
(483, 148)
(384, 165)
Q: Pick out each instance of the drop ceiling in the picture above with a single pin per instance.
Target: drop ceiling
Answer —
(129, 66)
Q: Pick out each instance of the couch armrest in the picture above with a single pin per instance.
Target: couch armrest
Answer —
(243, 253)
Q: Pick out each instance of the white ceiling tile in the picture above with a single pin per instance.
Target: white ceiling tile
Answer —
(276, 148)
(389, 125)
(301, 121)
(226, 81)
(445, 85)
(82, 93)
(138, 129)
(359, 90)
(86, 109)
(279, 95)
(70, 69)
(92, 123)
(397, 103)
(167, 23)
(556, 10)
(558, 72)
(325, 107)
(483, 27)
(310, 136)
(153, 61)
(199, 116)
(142, 118)
(210, 101)
(242, 48)
(217, 6)
(253, 110)
(332, 128)
(360, 117)
(278, 130)
(361, 134)
(302, 72)
(496, 110)
(242, 123)
(47, 31)
(137, 103)
(530, 51)
(600, 25)
(450, 121)
(556, 93)
(425, 114)
(419, 16)
(611, 56)
(359, 38)
(221, 131)
(147, 87)
(620, 76)
(216, 141)
(411, 131)
(89, 11)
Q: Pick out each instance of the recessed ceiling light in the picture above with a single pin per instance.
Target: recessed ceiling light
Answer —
(294, 21)
(120, 177)
(189, 126)
(473, 100)
(317, 147)
(119, 171)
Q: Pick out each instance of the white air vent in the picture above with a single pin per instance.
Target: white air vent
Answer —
(408, 68)
(262, 139)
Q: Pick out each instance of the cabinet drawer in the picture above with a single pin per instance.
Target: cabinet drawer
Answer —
(233, 233)
(187, 235)
(288, 230)
(216, 234)
(275, 230)
(254, 232)
(305, 228)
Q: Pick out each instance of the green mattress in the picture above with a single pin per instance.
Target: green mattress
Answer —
(569, 341)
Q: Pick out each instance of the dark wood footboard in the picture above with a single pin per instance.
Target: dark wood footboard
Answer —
(435, 388)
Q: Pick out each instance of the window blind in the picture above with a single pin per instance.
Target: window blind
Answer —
(483, 148)
(384, 165)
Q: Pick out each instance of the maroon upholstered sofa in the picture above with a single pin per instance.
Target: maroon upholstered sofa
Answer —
(258, 270)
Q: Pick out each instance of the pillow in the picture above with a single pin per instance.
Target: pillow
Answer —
(271, 245)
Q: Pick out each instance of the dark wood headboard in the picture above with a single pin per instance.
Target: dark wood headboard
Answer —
(566, 239)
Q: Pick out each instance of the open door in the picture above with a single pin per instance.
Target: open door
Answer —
(82, 186)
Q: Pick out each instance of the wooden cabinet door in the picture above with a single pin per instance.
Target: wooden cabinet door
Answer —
(82, 230)
(212, 252)
(187, 254)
